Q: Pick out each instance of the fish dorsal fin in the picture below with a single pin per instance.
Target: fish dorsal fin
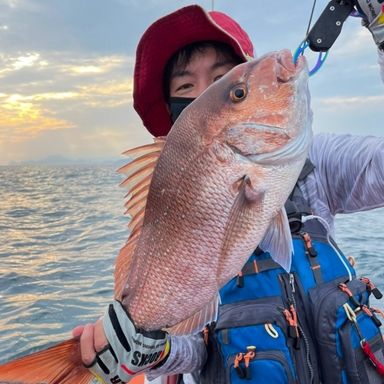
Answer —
(135, 206)
(138, 187)
(278, 240)
(139, 174)
(136, 196)
(197, 321)
(137, 220)
(136, 152)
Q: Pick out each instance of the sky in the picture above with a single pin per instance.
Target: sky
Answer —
(66, 72)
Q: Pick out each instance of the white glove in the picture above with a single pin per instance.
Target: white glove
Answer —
(130, 350)
(373, 19)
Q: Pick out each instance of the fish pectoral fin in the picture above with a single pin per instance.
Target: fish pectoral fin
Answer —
(245, 209)
(197, 321)
(246, 192)
(278, 240)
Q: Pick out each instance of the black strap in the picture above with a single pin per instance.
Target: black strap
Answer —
(257, 266)
(311, 253)
(296, 205)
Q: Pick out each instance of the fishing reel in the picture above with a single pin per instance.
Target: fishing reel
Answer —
(326, 30)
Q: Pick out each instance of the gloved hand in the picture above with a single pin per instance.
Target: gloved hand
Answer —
(373, 18)
(130, 350)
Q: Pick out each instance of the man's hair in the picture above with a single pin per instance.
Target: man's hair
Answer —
(181, 59)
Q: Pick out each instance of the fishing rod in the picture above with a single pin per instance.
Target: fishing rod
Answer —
(326, 30)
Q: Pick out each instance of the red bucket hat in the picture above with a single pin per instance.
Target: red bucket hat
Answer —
(164, 38)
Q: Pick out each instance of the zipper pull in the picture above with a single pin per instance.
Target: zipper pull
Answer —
(247, 357)
(369, 313)
(238, 367)
(293, 329)
(372, 288)
(344, 288)
(292, 282)
(240, 280)
(311, 251)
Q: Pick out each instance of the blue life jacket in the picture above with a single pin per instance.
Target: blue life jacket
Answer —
(312, 325)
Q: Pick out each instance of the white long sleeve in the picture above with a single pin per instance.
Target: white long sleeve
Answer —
(188, 354)
(348, 175)
(381, 63)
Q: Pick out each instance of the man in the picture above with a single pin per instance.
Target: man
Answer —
(347, 175)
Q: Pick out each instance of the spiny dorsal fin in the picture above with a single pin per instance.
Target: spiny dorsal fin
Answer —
(137, 219)
(142, 184)
(137, 152)
(136, 195)
(136, 205)
(196, 322)
(139, 163)
(139, 174)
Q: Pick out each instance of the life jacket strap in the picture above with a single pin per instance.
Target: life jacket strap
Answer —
(296, 206)
(257, 266)
(311, 253)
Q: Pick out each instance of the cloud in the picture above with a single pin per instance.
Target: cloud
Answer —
(21, 119)
(10, 64)
(352, 103)
(354, 39)
(96, 65)
(76, 83)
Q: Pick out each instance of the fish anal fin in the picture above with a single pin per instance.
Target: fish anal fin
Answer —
(197, 321)
(278, 240)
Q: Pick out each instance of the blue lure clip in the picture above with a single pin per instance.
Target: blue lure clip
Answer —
(320, 60)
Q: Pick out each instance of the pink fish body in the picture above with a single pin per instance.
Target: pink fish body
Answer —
(216, 192)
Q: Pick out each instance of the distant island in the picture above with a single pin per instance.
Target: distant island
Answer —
(62, 160)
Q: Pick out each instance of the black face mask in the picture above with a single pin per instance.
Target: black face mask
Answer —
(177, 104)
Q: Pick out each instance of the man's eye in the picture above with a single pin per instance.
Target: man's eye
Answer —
(218, 77)
(184, 87)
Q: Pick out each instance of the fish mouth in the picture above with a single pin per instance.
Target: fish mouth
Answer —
(300, 138)
(287, 70)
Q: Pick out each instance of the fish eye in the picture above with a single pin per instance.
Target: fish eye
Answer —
(238, 92)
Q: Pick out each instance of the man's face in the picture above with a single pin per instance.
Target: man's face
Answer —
(203, 69)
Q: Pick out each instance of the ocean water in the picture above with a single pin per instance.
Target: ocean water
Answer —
(61, 228)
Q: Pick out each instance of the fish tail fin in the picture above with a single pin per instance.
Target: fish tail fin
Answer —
(58, 364)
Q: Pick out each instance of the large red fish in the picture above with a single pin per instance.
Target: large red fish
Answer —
(201, 202)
